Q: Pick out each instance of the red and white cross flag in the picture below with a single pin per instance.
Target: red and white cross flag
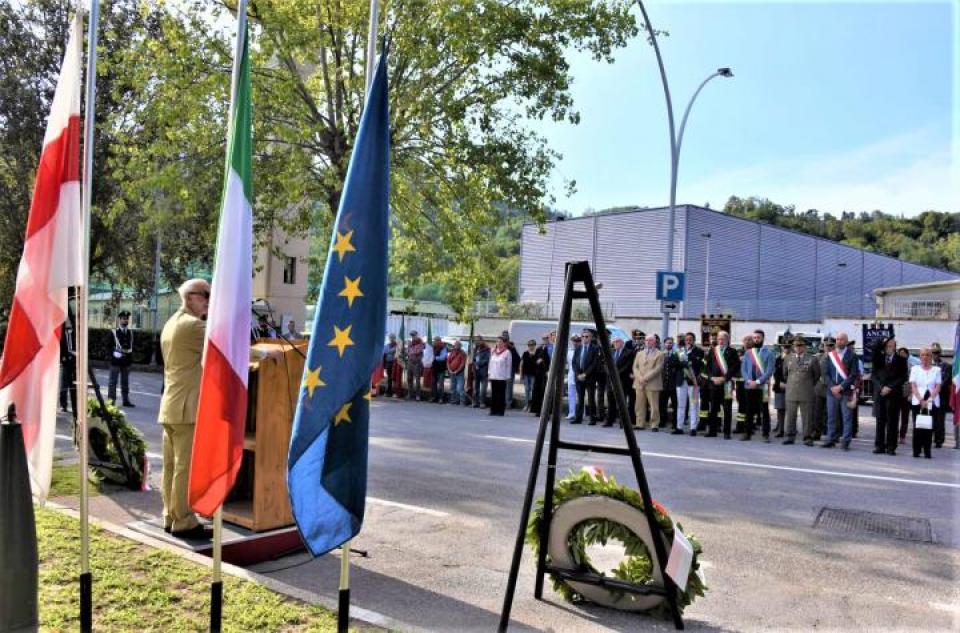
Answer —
(50, 263)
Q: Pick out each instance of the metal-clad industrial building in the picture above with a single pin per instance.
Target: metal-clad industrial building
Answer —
(756, 271)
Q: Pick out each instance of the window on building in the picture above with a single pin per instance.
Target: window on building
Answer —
(290, 270)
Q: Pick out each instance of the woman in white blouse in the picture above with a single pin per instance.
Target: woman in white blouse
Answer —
(501, 367)
(925, 382)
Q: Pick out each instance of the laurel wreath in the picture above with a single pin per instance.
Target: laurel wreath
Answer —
(637, 567)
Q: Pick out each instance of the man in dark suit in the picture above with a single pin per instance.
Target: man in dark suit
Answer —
(121, 359)
(723, 364)
(623, 360)
(585, 365)
(842, 372)
(889, 374)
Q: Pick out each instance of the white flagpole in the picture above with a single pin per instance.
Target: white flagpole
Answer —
(343, 611)
(86, 580)
(216, 587)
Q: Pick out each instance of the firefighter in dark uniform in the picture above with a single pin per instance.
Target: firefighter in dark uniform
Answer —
(121, 359)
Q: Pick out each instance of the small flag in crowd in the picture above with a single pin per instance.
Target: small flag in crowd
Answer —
(50, 263)
(222, 410)
(327, 463)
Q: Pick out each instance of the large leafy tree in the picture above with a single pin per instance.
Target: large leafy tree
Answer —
(33, 36)
(465, 76)
(931, 238)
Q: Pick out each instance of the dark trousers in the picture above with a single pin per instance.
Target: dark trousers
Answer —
(668, 416)
(939, 424)
(439, 377)
(388, 368)
(888, 416)
(67, 373)
(922, 438)
(904, 416)
(717, 401)
(612, 413)
(124, 374)
(586, 390)
(498, 397)
(601, 391)
(757, 408)
(820, 417)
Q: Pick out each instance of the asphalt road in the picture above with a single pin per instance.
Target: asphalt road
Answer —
(446, 486)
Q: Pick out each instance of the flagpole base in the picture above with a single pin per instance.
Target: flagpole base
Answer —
(86, 602)
(343, 611)
(216, 606)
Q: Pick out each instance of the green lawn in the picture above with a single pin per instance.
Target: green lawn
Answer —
(137, 588)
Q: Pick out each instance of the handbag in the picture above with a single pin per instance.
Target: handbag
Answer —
(923, 420)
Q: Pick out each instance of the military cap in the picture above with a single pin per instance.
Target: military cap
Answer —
(123, 313)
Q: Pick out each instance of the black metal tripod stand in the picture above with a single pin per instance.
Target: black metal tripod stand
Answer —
(579, 272)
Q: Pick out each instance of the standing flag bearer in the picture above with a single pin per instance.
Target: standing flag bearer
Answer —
(222, 407)
(327, 462)
(51, 261)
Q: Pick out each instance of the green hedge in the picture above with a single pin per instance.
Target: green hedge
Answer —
(101, 344)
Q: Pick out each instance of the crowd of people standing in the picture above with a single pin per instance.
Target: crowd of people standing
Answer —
(715, 390)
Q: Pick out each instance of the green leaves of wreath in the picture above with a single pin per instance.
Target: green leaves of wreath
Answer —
(637, 567)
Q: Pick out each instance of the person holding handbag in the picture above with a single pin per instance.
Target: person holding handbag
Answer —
(925, 383)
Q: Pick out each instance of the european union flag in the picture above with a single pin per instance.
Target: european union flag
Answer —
(327, 463)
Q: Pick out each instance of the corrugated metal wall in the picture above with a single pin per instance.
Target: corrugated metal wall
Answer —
(631, 248)
(757, 272)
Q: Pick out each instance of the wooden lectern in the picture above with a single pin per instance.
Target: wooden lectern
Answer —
(259, 499)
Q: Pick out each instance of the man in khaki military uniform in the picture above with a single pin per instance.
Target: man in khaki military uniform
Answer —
(182, 344)
(802, 372)
(648, 382)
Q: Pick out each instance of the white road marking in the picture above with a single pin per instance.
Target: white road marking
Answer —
(506, 439)
(727, 462)
(952, 608)
(404, 506)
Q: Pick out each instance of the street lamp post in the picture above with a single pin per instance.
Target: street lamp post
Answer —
(675, 141)
(706, 284)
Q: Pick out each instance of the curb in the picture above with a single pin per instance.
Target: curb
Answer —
(303, 595)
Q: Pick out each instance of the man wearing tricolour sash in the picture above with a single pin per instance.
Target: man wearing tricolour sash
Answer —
(722, 365)
(841, 375)
(758, 365)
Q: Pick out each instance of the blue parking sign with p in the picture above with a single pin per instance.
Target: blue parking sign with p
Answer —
(670, 286)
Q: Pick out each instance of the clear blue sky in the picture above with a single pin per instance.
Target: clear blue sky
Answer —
(834, 106)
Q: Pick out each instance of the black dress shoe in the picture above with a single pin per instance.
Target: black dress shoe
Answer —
(830, 444)
(693, 433)
(166, 529)
(592, 423)
(196, 533)
(676, 432)
(576, 421)
(726, 436)
(655, 429)
(893, 452)
(607, 424)
(745, 438)
(787, 442)
(710, 434)
(808, 442)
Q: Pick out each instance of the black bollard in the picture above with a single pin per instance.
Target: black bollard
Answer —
(18, 534)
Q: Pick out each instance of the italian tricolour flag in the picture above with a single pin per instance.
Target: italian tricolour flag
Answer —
(221, 413)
